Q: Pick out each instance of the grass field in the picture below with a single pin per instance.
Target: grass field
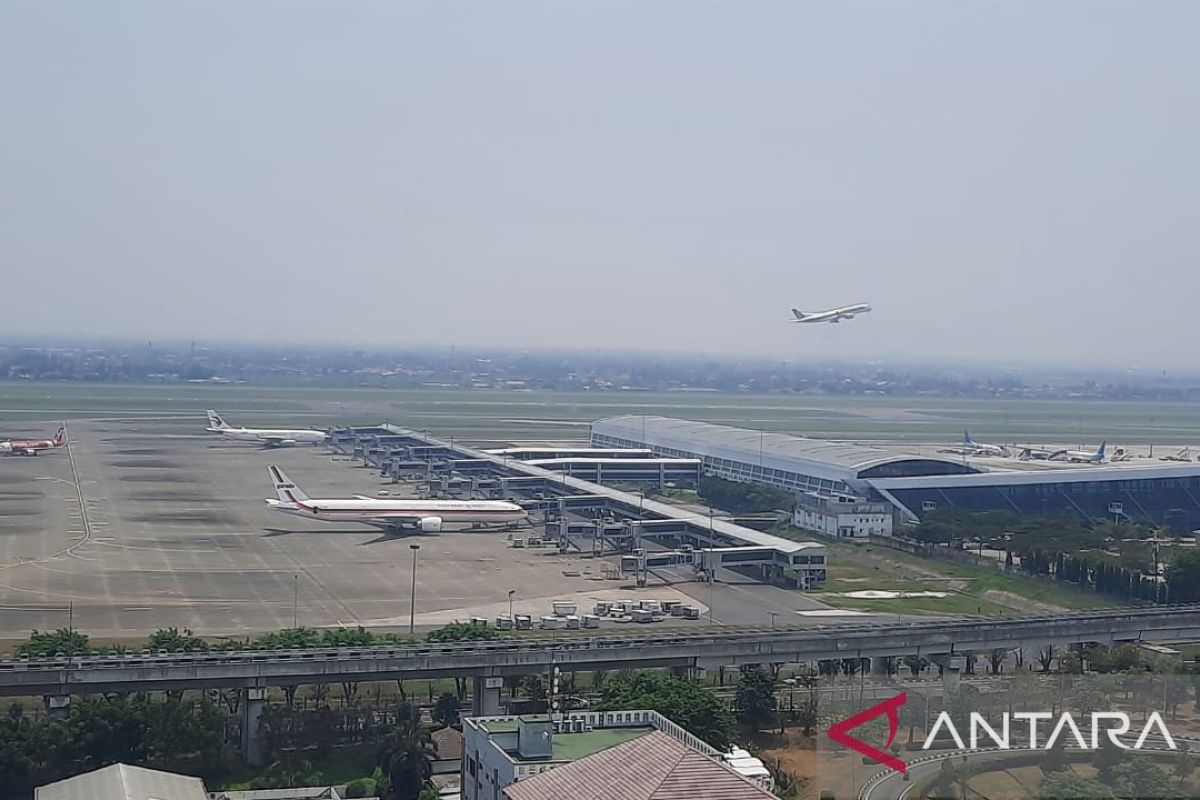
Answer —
(973, 589)
(495, 414)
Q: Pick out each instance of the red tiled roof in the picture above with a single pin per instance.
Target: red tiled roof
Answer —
(449, 743)
(650, 767)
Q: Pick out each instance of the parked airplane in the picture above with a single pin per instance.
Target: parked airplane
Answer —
(31, 447)
(972, 446)
(264, 436)
(831, 315)
(426, 516)
(1082, 456)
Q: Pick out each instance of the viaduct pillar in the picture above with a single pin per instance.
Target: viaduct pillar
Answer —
(485, 696)
(253, 701)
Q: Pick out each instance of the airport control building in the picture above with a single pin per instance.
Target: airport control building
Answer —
(840, 485)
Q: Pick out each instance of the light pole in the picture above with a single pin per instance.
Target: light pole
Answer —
(412, 606)
(512, 622)
(295, 597)
(712, 567)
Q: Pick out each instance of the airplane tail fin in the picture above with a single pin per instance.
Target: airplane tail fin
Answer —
(967, 441)
(798, 314)
(60, 436)
(215, 422)
(1100, 452)
(287, 491)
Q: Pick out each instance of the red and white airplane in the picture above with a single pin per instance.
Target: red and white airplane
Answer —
(31, 447)
(424, 516)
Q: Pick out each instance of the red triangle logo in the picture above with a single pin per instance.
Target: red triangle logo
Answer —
(840, 732)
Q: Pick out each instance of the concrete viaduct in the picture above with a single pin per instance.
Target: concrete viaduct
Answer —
(945, 642)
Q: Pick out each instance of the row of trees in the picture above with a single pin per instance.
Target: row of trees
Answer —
(1119, 560)
(170, 733)
(743, 498)
(65, 642)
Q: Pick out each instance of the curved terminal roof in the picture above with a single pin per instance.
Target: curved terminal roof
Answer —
(831, 460)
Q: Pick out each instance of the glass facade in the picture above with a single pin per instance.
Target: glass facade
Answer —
(1147, 499)
(738, 470)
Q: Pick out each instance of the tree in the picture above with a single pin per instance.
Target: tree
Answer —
(1185, 766)
(1055, 759)
(49, 644)
(1067, 785)
(288, 772)
(755, 699)
(1139, 777)
(1183, 577)
(534, 687)
(445, 711)
(406, 753)
(173, 640)
(462, 632)
(683, 701)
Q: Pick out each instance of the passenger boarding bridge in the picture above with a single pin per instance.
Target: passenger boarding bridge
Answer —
(612, 521)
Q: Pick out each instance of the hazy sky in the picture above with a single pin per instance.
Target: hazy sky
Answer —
(1008, 180)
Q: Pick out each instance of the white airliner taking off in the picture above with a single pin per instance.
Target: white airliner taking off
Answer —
(426, 516)
(1082, 456)
(831, 315)
(264, 436)
(972, 446)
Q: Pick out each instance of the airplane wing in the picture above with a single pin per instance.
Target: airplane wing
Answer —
(392, 519)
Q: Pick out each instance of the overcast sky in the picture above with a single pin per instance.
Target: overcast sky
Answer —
(1006, 180)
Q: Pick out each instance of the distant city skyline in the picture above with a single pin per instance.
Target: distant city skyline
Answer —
(1008, 183)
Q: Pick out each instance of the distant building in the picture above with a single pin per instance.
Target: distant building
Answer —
(914, 484)
(124, 782)
(651, 767)
(449, 744)
(843, 516)
(499, 752)
(307, 793)
(787, 462)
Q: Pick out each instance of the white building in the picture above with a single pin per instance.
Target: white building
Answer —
(842, 516)
(501, 751)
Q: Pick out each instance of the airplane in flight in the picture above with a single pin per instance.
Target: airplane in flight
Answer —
(971, 446)
(1082, 456)
(264, 436)
(31, 447)
(424, 516)
(830, 315)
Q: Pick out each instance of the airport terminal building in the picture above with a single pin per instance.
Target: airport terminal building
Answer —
(912, 484)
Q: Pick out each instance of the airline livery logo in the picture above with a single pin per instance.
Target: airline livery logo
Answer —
(840, 732)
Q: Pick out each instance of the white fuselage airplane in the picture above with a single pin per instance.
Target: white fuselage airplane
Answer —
(832, 315)
(264, 436)
(31, 447)
(1082, 456)
(426, 516)
(972, 446)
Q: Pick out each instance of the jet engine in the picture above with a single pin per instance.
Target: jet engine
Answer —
(430, 524)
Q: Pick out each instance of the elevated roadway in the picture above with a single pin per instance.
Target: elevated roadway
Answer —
(709, 648)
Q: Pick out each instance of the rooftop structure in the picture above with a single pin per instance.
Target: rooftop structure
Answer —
(1116, 492)
(124, 782)
(911, 483)
(652, 766)
(501, 751)
(788, 462)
